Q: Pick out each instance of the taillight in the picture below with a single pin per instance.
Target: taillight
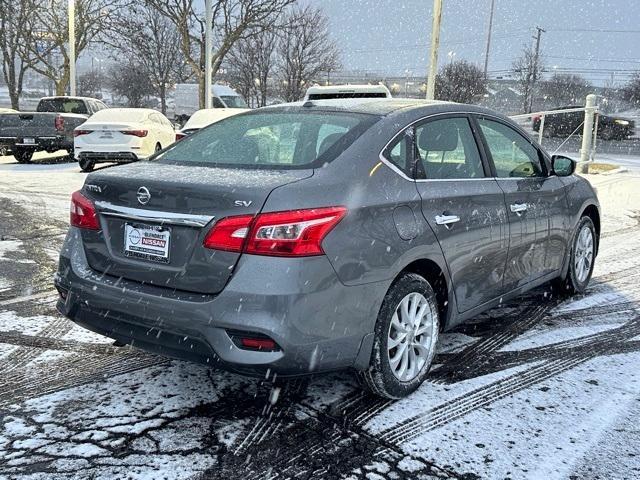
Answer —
(180, 136)
(229, 234)
(295, 233)
(135, 133)
(59, 123)
(77, 133)
(83, 212)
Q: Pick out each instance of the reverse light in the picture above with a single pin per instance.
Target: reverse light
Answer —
(294, 233)
(135, 133)
(77, 133)
(83, 212)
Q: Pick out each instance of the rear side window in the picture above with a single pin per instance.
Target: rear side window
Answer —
(512, 154)
(62, 105)
(271, 139)
(399, 152)
(448, 150)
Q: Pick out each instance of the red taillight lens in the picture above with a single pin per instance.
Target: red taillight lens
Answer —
(77, 133)
(295, 233)
(179, 136)
(135, 133)
(229, 234)
(59, 123)
(83, 212)
(258, 343)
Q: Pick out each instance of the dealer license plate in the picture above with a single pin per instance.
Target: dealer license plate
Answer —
(148, 242)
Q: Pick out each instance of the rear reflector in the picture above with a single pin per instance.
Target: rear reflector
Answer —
(253, 341)
(77, 133)
(135, 133)
(83, 212)
(294, 233)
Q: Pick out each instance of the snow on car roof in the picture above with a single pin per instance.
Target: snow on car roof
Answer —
(130, 114)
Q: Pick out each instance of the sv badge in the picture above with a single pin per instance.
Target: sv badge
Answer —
(242, 203)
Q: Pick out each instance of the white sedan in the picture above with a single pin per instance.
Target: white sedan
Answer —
(121, 135)
(205, 117)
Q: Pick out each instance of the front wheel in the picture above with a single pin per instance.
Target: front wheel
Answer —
(406, 335)
(23, 156)
(581, 260)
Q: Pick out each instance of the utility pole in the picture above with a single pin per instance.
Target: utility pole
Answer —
(534, 73)
(72, 47)
(207, 54)
(435, 45)
(486, 53)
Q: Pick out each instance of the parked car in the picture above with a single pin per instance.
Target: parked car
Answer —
(205, 117)
(50, 128)
(187, 99)
(610, 127)
(4, 149)
(319, 92)
(121, 135)
(377, 224)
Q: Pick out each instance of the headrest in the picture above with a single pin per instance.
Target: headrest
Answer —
(438, 137)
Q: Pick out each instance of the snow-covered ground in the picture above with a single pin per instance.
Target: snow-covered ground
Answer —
(540, 388)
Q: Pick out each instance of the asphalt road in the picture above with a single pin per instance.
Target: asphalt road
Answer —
(543, 387)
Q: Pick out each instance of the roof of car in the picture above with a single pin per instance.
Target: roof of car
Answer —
(378, 106)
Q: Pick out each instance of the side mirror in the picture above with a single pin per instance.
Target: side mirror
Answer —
(563, 166)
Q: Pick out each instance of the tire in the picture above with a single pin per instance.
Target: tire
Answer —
(581, 258)
(23, 156)
(158, 148)
(86, 165)
(549, 132)
(607, 134)
(385, 376)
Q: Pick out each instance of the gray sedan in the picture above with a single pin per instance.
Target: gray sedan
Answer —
(325, 235)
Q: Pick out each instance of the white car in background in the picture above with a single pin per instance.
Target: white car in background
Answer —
(205, 117)
(121, 135)
(329, 92)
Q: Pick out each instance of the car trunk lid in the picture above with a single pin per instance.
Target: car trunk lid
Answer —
(172, 207)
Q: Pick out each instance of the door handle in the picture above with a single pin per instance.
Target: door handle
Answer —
(518, 208)
(447, 220)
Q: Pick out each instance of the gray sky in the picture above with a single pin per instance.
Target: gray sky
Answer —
(392, 36)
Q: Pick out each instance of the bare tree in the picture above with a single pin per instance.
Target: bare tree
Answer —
(563, 89)
(251, 64)
(90, 84)
(48, 34)
(305, 51)
(233, 20)
(132, 82)
(16, 60)
(154, 41)
(461, 82)
(527, 69)
(631, 91)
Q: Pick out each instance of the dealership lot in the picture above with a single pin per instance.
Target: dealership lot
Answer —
(543, 387)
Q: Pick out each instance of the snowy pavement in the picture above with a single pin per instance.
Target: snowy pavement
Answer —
(543, 387)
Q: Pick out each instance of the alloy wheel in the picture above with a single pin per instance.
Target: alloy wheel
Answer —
(583, 258)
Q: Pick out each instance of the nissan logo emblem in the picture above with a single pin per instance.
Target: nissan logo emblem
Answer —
(143, 195)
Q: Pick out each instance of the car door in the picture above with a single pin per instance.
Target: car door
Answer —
(464, 206)
(535, 202)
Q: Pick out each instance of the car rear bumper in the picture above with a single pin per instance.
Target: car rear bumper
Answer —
(119, 157)
(318, 323)
(50, 143)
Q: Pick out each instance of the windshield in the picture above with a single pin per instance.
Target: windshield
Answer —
(233, 101)
(271, 140)
(62, 105)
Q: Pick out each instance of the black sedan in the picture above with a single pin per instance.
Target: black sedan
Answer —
(610, 127)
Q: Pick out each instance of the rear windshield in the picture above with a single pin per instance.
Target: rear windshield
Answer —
(330, 96)
(283, 140)
(233, 101)
(62, 105)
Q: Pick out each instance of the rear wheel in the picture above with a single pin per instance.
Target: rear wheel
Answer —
(405, 338)
(581, 261)
(86, 165)
(158, 148)
(23, 156)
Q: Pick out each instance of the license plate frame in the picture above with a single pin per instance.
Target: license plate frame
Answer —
(147, 242)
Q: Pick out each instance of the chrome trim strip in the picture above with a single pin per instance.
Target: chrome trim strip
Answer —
(169, 218)
(393, 167)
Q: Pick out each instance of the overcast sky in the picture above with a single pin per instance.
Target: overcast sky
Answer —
(392, 36)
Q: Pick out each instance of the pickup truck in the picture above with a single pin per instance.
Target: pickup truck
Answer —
(49, 128)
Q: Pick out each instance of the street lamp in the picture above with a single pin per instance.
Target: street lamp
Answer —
(72, 47)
